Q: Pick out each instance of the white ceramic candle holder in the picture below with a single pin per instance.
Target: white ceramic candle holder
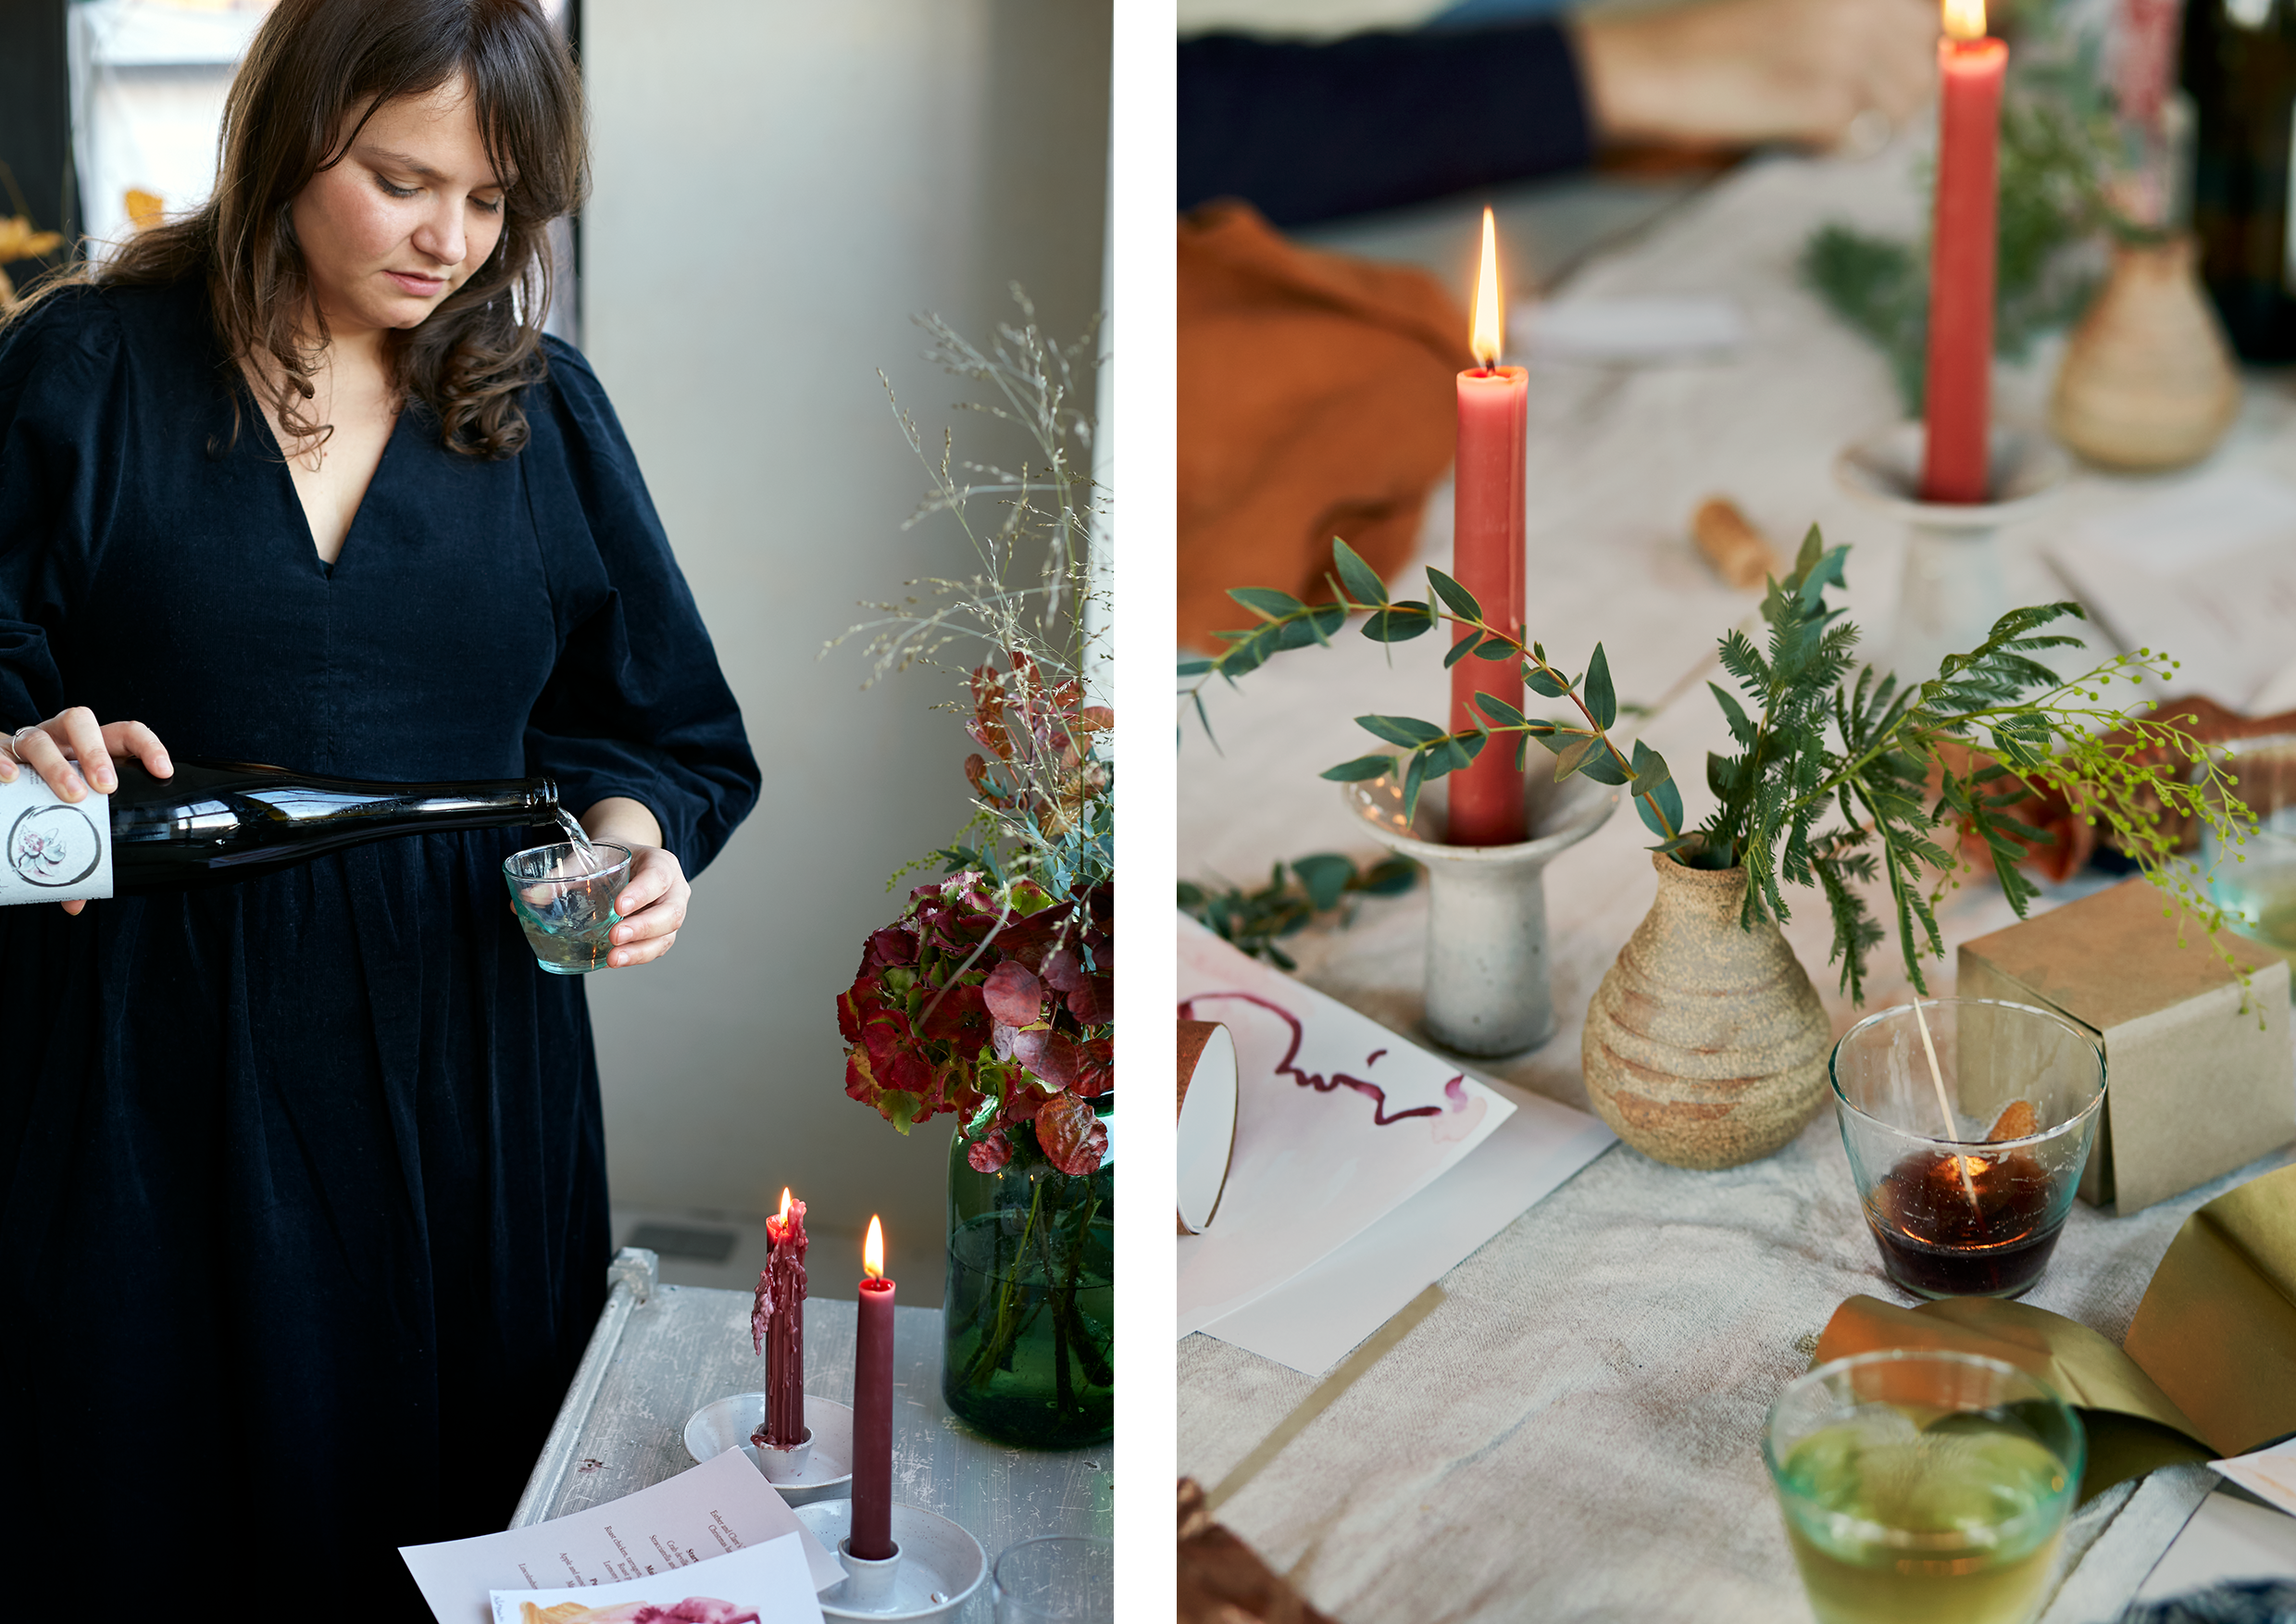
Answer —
(820, 1469)
(934, 1570)
(1952, 589)
(1487, 990)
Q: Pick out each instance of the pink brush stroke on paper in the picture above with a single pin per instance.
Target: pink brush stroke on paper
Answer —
(1454, 1091)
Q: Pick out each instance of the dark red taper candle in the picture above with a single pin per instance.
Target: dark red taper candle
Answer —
(872, 1408)
(777, 1326)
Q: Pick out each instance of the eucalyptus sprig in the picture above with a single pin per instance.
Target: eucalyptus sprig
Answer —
(1815, 737)
(1321, 882)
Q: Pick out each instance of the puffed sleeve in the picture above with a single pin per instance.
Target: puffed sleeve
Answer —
(636, 705)
(59, 382)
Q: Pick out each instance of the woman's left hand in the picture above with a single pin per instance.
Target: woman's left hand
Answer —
(653, 902)
(653, 905)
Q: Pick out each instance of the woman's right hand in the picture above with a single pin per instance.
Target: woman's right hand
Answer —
(72, 752)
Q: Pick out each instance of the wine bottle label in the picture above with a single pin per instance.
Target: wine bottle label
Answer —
(50, 850)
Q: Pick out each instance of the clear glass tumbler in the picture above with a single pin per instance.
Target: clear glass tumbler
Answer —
(1966, 1171)
(1922, 1486)
(2254, 883)
(565, 902)
(1067, 1581)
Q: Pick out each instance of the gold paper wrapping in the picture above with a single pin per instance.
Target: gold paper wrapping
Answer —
(2133, 1426)
(2217, 1326)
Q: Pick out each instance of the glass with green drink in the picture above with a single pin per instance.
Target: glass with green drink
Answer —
(1919, 1484)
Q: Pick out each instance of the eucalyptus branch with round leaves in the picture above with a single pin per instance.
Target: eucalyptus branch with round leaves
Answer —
(1815, 736)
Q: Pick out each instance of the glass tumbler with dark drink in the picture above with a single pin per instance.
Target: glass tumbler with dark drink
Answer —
(1967, 1139)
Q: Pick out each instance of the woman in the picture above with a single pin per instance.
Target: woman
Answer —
(309, 1171)
(1307, 130)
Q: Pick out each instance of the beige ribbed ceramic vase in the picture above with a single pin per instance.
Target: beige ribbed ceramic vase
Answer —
(1705, 1046)
(2148, 381)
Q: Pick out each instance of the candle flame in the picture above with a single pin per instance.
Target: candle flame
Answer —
(1486, 332)
(1965, 20)
(785, 1206)
(873, 1250)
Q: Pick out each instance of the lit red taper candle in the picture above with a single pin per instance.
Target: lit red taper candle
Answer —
(872, 1407)
(1486, 798)
(777, 1326)
(1957, 403)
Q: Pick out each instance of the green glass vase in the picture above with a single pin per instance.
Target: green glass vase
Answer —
(1029, 1312)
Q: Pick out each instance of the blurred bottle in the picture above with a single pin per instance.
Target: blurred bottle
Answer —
(2239, 68)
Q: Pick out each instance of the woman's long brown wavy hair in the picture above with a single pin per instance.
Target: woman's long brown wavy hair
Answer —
(316, 73)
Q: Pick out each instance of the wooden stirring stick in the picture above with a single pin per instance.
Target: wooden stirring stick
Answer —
(1945, 1107)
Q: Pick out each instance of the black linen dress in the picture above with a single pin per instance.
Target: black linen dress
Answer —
(302, 1180)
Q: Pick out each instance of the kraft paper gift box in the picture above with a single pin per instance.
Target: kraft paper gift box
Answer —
(2195, 1085)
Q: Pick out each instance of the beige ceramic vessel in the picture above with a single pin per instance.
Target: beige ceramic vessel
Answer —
(2148, 381)
(1705, 1046)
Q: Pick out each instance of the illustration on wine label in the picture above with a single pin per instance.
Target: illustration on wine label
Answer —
(47, 842)
(53, 852)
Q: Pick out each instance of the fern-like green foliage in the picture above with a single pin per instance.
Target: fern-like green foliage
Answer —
(1830, 785)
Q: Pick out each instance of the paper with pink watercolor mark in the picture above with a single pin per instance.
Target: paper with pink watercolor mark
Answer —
(1339, 1122)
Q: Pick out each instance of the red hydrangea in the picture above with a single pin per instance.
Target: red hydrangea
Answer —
(1000, 1015)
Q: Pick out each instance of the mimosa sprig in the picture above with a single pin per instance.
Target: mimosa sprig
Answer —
(1815, 736)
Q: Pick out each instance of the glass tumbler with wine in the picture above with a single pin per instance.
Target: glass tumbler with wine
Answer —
(1968, 1121)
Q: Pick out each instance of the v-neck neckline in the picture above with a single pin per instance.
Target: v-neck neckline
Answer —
(248, 402)
(328, 569)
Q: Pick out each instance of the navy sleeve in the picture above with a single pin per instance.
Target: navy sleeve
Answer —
(636, 705)
(1304, 131)
(59, 369)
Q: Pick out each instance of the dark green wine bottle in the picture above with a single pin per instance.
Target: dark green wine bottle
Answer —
(2239, 68)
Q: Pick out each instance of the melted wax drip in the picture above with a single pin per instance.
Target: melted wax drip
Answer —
(1454, 1091)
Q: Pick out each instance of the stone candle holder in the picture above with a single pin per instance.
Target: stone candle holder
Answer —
(1487, 992)
(1952, 589)
(818, 1468)
(935, 1570)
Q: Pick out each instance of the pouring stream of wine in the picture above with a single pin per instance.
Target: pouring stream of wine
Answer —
(586, 855)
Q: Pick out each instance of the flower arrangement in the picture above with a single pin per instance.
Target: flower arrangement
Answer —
(990, 997)
(986, 1007)
(1894, 767)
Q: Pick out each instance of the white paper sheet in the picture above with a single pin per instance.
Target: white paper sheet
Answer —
(2205, 570)
(1339, 1121)
(2227, 1539)
(1645, 331)
(721, 1505)
(767, 1584)
(2270, 1474)
(1315, 1320)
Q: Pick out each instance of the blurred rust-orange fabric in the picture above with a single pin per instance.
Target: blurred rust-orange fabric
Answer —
(1315, 400)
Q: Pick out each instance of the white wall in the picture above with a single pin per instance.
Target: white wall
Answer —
(779, 186)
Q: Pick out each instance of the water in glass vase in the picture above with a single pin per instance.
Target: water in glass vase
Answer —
(1960, 1519)
(1029, 1313)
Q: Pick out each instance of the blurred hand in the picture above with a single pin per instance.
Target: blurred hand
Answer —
(73, 753)
(1738, 72)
